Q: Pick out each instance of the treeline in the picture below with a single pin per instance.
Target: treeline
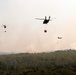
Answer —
(52, 63)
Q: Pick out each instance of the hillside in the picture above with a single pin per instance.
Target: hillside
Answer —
(52, 63)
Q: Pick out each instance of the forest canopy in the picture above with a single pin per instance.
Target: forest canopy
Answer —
(53, 63)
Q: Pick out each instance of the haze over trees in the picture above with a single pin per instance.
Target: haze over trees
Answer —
(51, 63)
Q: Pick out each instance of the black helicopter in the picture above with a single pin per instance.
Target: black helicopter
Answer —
(59, 37)
(46, 21)
(4, 27)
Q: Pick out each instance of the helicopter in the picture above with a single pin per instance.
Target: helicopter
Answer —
(4, 27)
(59, 37)
(46, 21)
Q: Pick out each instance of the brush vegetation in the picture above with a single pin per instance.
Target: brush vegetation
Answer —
(51, 63)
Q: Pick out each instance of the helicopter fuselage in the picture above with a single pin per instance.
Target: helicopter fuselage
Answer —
(59, 37)
(45, 21)
(4, 26)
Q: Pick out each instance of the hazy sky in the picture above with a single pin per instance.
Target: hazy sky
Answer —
(26, 34)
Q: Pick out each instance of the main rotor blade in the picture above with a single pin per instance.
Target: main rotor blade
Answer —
(53, 18)
(39, 19)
